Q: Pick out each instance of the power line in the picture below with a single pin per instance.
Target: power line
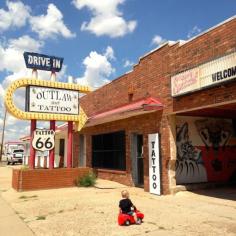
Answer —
(3, 130)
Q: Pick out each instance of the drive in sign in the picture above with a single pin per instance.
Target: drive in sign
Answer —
(43, 62)
(43, 139)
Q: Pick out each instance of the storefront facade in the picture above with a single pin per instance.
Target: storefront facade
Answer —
(196, 125)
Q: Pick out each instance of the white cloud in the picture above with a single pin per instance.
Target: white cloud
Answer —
(97, 69)
(25, 42)
(51, 24)
(12, 55)
(194, 31)
(12, 61)
(109, 54)
(107, 19)
(16, 16)
(15, 129)
(157, 40)
(128, 63)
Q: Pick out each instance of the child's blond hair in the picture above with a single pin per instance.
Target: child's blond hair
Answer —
(125, 194)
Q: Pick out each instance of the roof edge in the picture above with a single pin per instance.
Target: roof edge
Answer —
(210, 29)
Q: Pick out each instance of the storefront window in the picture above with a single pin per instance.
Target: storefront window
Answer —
(108, 151)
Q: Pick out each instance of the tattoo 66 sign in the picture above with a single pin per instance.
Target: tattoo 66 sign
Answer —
(43, 139)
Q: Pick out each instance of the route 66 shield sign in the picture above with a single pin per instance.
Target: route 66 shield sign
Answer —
(43, 139)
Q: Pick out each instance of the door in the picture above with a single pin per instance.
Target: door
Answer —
(82, 151)
(61, 152)
(137, 159)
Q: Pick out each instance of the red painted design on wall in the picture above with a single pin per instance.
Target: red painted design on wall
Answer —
(220, 164)
(206, 150)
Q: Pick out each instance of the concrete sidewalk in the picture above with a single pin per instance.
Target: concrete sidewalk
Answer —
(10, 223)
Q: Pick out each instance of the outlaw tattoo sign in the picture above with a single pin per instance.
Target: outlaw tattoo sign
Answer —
(51, 100)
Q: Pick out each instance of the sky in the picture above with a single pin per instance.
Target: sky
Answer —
(99, 40)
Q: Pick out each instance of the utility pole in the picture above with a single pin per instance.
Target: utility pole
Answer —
(3, 131)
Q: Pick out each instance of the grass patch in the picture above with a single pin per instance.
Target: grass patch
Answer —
(161, 227)
(24, 167)
(41, 218)
(152, 223)
(27, 197)
(23, 197)
(88, 180)
(61, 211)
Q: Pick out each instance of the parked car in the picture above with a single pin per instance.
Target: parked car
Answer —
(15, 156)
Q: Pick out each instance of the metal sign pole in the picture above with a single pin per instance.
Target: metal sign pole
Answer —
(69, 144)
(33, 126)
(70, 137)
(52, 127)
(3, 132)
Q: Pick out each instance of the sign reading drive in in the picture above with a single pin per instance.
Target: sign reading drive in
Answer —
(42, 62)
(51, 100)
(43, 139)
(154, 164)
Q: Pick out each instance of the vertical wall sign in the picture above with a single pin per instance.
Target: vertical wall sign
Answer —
(154, 164)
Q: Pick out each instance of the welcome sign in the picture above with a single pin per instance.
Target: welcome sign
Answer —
(42, 62)
(52, 100)
(206, 75)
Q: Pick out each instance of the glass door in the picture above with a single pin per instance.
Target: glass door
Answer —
(137, 159)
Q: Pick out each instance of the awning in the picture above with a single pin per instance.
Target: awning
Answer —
(140, 107)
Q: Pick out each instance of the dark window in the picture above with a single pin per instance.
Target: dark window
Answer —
(18, 151)
(61, 147)
(108, 151)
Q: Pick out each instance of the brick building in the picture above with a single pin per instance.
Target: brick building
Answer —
(186, 92)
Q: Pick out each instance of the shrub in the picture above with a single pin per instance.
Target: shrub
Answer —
(24, 167)
(87, 181)
(41, 218)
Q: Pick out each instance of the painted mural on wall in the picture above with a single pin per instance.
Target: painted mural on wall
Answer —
(206, 150)
(189, 164)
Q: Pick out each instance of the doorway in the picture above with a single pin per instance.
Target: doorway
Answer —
(137, 160)
(61, 152)
(82, 151)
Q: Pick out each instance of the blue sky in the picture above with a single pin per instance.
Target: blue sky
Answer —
(99, 40)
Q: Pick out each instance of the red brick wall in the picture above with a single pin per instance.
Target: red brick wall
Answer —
(23, 180)
(152, 74)
(144, 124)
(122, 177)
(15, 179)
(152, 77)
